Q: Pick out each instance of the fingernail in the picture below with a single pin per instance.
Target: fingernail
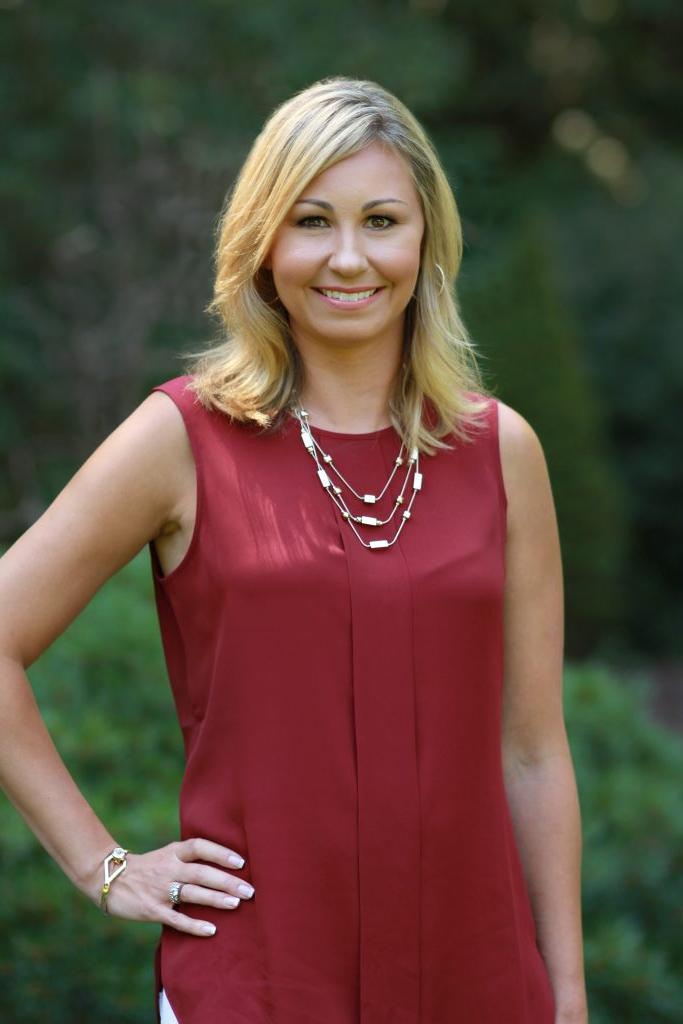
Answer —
(209, 929)
(236, 861)
(230, 901)
(245, 890)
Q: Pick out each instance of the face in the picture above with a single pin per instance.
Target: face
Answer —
(356, 228)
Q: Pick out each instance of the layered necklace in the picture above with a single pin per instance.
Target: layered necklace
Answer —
(321, 457)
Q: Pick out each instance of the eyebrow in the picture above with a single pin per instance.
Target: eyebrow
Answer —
(366, 206)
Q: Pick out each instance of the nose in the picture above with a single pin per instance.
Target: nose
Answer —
(347, 255)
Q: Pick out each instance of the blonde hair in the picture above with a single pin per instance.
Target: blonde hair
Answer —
(255, 373)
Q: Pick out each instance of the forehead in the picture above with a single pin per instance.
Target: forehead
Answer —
(375, 167)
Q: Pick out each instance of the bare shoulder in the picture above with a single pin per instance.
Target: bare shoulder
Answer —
(523, 463)
(150, 453)
(533, 727)
(159, 417)
(158, 424)
(137, 485)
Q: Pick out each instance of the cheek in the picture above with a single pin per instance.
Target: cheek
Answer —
(292, 261)
(402, 260)
(404, 267)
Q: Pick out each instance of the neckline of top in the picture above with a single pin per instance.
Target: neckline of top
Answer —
(366, 435)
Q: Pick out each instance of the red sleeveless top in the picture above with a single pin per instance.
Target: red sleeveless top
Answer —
(341, 714)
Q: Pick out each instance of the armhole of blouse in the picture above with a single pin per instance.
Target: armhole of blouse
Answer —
(157, 572)
(495, 432)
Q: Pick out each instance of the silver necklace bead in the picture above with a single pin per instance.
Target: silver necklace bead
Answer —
(335, 492)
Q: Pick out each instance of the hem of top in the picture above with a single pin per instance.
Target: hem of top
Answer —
(166, 1007)
(158, 981)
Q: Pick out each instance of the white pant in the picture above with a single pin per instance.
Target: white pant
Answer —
(166, 1010)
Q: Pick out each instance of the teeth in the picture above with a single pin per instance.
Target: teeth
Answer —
(347, 296)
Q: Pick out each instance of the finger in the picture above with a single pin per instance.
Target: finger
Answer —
(182, 923)
(204, 849)
(213, 878)
(208, 897)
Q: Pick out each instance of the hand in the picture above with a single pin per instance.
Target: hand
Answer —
(140, 893)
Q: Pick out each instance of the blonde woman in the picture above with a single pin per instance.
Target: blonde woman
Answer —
(358, 578)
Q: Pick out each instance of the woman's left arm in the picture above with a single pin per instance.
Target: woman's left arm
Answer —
(539, 773)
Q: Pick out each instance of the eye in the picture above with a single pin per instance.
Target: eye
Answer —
(381, 216)
(306, 221)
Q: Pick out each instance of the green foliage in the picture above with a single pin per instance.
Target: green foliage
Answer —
(103, 691)
(533, 354)
(622, 276)
(629, 774)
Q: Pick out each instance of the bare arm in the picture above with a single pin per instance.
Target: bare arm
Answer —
(132, 489)
(539, 773)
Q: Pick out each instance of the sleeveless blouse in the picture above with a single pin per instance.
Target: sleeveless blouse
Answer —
(341, 716)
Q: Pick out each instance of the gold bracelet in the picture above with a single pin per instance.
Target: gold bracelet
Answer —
(117, 857)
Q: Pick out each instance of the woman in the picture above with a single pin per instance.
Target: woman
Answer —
(358, 578)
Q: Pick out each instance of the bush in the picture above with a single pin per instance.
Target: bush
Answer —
(629, 772)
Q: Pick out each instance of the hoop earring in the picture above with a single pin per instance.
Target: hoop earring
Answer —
(443, 278)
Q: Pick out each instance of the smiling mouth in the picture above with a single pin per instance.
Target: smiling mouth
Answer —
(348, 296)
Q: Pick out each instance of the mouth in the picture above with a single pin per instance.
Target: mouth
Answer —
(342, 298)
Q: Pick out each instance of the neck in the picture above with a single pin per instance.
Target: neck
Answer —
(347, 417)
(350, 396)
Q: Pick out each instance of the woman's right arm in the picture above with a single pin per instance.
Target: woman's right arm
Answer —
(131, 490)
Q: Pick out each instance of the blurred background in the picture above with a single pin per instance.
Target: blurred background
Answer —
(558, 122)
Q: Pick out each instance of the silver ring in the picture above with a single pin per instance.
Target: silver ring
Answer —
(174, 891)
